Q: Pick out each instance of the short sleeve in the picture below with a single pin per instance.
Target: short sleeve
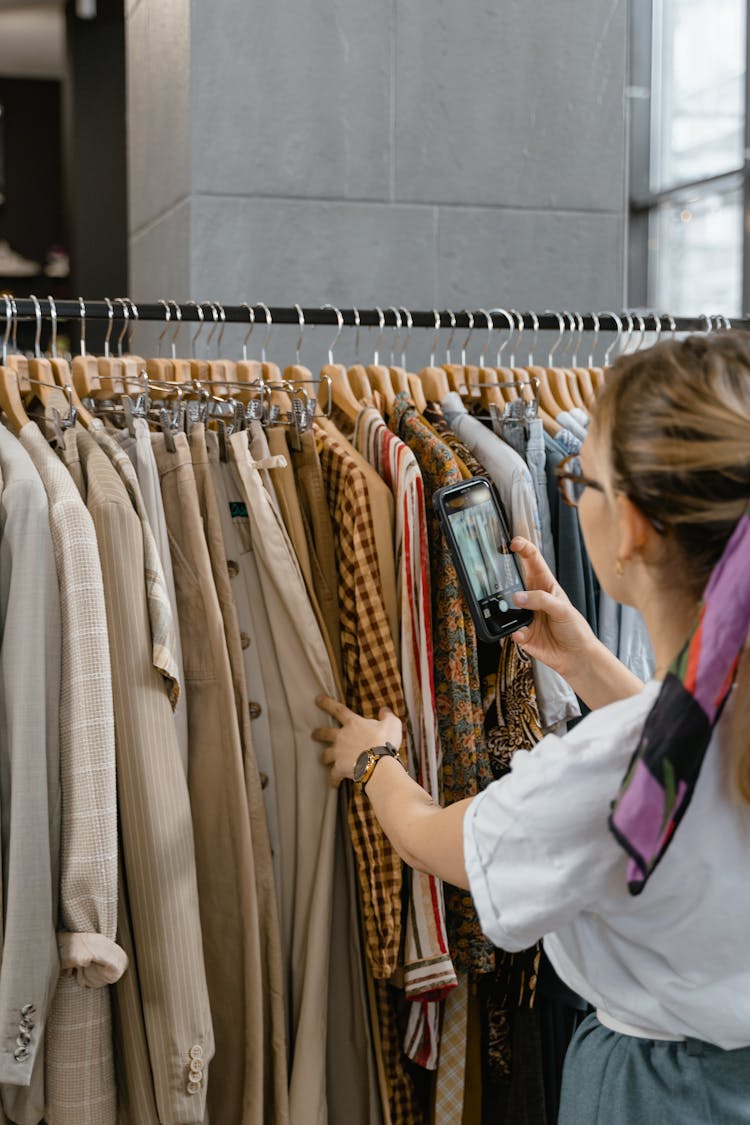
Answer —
(537, 846)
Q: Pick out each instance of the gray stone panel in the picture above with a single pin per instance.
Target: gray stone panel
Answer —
(530, 259)
(158, 82)
(282, 251)
(160, 268)
(292, 99)
(511, 104)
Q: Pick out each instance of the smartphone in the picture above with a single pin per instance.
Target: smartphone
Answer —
(472, 522)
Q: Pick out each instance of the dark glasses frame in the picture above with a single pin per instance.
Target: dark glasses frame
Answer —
(563, 473)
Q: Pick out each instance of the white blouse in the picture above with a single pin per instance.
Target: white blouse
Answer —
(542, 861)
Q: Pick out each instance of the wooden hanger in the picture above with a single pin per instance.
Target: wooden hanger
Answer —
(10, 399)
(359, 383)
(341, 391)
(380, 380)
(342, 394)
(63, 376)
(417, 392)
(434, 383)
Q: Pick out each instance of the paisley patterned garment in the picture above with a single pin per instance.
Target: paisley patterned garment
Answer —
(511, 723)
(466, 768)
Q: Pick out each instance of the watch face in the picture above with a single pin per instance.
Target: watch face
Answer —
(361, 765)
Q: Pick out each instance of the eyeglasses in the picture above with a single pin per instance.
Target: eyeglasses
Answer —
(571, 481)
(572, 484)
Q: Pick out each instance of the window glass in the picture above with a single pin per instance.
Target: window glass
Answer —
(698, 95)
(695, 247)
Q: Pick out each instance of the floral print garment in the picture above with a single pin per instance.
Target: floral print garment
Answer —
(466, 768)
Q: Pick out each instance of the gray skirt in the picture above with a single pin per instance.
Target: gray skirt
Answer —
(613, 1079)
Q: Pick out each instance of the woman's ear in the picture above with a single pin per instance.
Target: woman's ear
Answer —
(636, 533)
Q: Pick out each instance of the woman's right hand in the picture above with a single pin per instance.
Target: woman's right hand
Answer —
(559, 635)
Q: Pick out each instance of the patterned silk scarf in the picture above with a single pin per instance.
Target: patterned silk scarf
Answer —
(663, 771)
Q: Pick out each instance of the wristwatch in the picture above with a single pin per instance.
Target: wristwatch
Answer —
(368, 759)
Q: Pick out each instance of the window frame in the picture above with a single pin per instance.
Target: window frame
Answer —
(643, 202)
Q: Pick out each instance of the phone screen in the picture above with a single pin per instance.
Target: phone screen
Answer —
(484, 548)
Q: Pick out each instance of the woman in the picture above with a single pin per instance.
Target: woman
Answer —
(583, 842)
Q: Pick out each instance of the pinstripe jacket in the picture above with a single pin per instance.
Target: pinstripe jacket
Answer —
(163, 1032)
(80, 1078)
(29, 777)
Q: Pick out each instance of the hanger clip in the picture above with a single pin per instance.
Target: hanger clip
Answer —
(166, 424)
(254, 411)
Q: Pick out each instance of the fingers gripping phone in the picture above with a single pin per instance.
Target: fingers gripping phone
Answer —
(479, 541)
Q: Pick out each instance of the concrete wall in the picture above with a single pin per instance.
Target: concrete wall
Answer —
(387, 152)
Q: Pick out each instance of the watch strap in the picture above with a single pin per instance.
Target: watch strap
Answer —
(374, 755)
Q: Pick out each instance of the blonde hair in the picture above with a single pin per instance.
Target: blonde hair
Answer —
(676, 420)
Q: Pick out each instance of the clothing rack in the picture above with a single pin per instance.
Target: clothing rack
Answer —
(123, 310)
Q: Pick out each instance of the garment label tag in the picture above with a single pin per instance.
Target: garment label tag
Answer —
(237, 509)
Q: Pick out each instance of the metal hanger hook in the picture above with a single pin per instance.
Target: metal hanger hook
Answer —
(14, 307)
(269, 327)
(135, 315)
(595, 319)
(618, 336)
(82, 308)
(490, 329)
(178, 319)
(335, 340)
(301, 319)
(248, 334)
(642, 326)
(465, 344)
(222, 326)
(436, 337)
(38, 331)
(355, 315)
(381, 325)
(556, 345)
(449, 345)
(125, 321)
(570, 327)
(167, 318)
(110, 318)
(201, 318)
(534, 338)
(8, 322)
(215, 314)
(396, 329)
(53, 321)
(521, 327)
(404, 343)
(511, 329)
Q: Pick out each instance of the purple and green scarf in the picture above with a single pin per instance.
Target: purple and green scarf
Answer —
(662, 775)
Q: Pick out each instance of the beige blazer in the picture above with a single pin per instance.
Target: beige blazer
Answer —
(242, 1089)
(161, 1004)
(29, 775)
(80, 1076)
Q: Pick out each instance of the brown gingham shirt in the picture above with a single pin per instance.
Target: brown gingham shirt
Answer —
(371, 680)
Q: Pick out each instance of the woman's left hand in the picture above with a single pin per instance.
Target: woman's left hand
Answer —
(356, 734)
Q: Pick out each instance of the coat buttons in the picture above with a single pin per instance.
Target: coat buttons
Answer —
(232, 567)
(245, 640)
(196, 1052)
(255, 710)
